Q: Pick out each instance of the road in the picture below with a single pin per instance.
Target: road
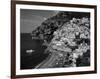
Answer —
(49, 62)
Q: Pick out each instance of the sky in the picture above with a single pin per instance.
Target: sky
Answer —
(30, 19)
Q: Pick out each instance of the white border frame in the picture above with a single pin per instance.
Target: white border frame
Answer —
(52, 70)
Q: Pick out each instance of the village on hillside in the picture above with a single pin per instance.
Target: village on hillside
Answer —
(67, 37)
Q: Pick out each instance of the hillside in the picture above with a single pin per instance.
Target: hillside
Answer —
(67, 37)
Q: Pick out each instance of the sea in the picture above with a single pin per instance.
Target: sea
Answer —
(31, 60)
